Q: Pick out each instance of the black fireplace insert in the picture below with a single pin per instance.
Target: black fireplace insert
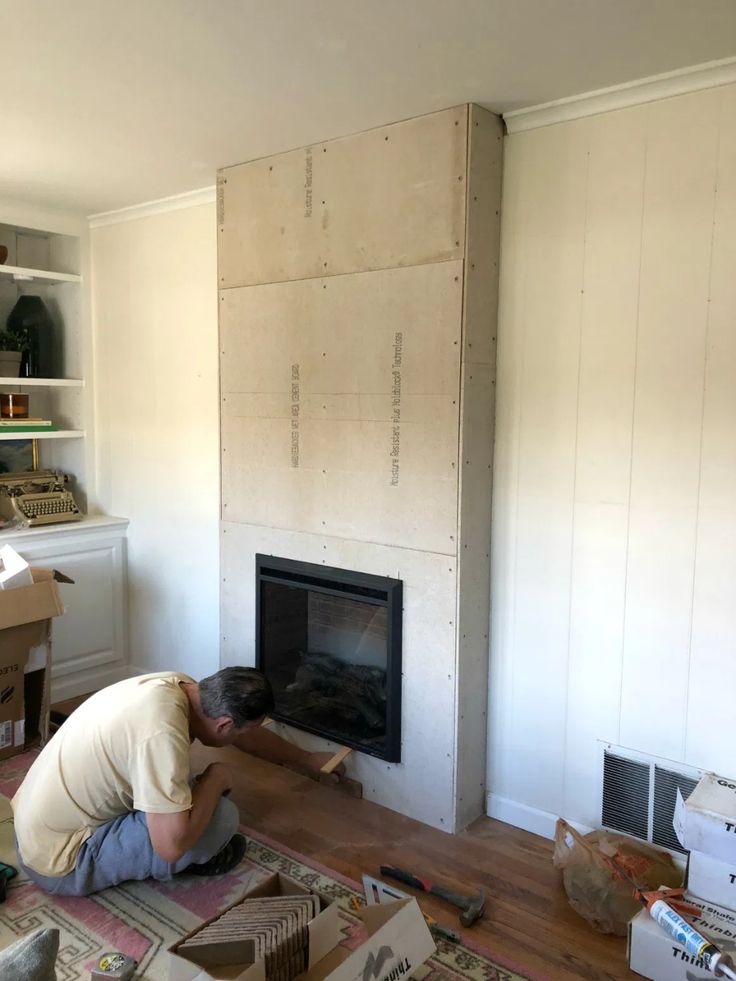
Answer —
(329, 641)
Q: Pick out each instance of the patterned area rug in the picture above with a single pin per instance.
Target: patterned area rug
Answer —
(142, 919)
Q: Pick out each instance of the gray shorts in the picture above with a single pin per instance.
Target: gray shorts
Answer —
(121, 850)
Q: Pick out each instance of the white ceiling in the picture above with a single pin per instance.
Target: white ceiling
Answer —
(107, 103)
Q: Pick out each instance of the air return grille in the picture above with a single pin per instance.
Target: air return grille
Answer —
(639, 794)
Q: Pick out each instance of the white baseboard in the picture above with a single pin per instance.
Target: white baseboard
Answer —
(532, 819)
(70, 686)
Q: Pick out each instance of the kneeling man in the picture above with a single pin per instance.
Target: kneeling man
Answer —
(109, 797)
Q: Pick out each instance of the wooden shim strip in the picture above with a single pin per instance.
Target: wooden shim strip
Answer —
(336, 760)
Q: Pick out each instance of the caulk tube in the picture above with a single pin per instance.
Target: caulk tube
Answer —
(694, 943)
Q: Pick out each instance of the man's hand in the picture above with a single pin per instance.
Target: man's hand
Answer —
(172, 835)
(269, 746)
(218, 776)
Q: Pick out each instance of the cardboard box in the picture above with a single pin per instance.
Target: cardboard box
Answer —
(398, 942)
(653, 954)
(25, 621)
(14, 570)
(712, 880)
(706, 821)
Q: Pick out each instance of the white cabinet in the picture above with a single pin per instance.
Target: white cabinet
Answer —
(88, 642)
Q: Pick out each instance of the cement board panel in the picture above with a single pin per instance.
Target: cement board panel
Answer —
(474, 589)
(483, 230)
(393, 196)
(485, 142)
(421, 786)
(340, 405)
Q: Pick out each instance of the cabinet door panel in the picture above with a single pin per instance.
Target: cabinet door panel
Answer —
(86, 632)
(88, 641)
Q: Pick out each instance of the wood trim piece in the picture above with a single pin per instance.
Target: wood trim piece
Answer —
(190, 199)
(336, 760)
(665, 86)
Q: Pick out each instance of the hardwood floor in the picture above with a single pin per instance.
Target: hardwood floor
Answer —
(528, 920)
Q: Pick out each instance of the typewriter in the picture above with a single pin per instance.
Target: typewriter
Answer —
(38, 497)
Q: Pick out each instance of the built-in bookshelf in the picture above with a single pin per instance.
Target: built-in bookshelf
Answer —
(45, 259)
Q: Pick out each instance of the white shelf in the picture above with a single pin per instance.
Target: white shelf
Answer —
(44, 382)
(89, 523)
(23, 275)
(40, 434)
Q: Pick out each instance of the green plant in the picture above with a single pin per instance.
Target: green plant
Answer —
(8, 341)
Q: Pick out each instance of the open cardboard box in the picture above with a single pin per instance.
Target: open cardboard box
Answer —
(25, 622)
(398, 942)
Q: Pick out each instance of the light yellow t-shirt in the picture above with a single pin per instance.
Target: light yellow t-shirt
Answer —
(126, 748)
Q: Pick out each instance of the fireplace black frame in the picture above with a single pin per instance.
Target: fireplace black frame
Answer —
(375, 590)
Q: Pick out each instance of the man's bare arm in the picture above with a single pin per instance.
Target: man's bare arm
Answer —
(172, 835)
(269, 746)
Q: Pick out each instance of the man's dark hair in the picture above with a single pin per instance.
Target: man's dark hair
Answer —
(242, 694)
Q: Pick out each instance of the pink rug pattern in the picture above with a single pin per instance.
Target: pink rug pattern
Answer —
(142, 919)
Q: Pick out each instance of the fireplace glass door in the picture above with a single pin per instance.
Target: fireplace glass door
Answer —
(329, 641)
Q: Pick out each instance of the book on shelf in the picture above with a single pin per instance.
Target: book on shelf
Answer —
(26, 425)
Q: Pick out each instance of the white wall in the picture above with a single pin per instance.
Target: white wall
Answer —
(157, 429)
(614, 541)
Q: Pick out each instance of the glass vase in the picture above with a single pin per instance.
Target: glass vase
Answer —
(31, 323)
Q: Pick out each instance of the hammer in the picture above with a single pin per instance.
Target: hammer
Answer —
(472, 906)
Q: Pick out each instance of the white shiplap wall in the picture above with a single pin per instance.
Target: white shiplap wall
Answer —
(614, 535)
(154, 292)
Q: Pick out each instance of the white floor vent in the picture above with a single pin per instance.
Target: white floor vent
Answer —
(639, 793)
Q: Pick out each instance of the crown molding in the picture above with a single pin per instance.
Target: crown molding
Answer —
(190, 199)
(706, 76)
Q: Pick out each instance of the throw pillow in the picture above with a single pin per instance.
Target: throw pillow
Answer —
(31, 958)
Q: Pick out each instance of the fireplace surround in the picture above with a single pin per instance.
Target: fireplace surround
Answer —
(329, 641)
(357, 353)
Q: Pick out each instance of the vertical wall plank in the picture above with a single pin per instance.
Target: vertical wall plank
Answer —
(713, 653)
(510, 350)
(551, 328)
(676, 248)
(603, 457)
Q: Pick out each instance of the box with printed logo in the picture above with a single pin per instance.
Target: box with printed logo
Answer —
(706, 821)
(655, 955)
(398, 941)
(712, 880)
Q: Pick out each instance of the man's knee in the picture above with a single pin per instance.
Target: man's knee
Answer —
(223, 825)
(226, 818)
(65, 885)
